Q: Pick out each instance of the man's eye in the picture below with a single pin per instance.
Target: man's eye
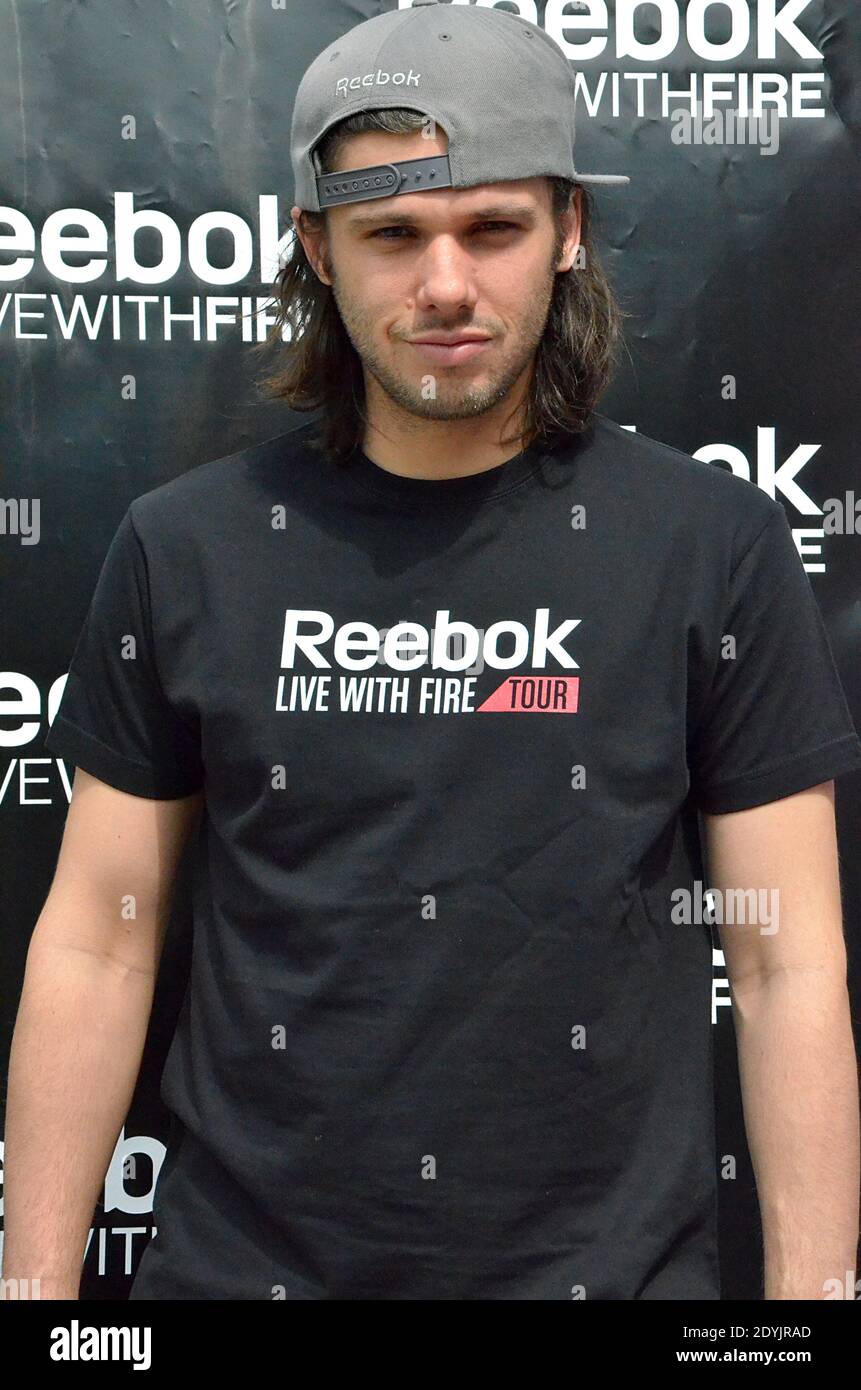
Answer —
(498, 226)
(391, 233)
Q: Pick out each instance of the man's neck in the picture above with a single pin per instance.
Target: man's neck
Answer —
(419, 448)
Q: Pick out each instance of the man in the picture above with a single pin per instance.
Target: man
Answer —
(447, 674)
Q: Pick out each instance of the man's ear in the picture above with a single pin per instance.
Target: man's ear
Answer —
(572, 222)
(314, 243)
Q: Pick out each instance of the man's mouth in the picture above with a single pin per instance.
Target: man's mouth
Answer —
(448, 350)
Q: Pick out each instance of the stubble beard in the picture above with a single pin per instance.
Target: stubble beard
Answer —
(442, 395)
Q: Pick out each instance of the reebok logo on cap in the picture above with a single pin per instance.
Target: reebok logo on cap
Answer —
(378, 79)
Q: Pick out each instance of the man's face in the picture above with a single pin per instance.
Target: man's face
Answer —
(475, 265)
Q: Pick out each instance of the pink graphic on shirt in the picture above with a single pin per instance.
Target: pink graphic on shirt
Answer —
(535, 695)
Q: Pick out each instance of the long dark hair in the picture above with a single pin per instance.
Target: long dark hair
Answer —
(318, 367)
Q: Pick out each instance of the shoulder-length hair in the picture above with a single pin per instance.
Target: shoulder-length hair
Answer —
(318, 368)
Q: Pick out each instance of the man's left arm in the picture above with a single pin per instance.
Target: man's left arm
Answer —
(797, 1064)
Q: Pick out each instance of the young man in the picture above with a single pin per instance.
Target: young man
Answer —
(447, 674)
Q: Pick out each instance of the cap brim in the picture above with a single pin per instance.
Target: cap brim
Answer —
(601, 178)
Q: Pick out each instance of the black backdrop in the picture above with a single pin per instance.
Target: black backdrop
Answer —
(125, 361)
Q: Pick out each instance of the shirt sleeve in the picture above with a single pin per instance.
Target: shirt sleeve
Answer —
(114, 719)
(775, 719)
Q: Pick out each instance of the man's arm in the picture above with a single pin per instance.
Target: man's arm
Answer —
(82, 1021)
(797, 1062)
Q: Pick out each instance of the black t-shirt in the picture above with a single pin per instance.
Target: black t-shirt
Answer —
(444, 1036)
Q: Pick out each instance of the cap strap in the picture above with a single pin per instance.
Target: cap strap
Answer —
(384, 180)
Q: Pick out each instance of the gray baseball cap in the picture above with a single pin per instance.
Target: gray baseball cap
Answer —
(499, 87)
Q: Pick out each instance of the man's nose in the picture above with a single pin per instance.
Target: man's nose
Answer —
(446, 276)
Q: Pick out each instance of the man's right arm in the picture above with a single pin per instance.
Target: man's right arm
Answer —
(82, 1021)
